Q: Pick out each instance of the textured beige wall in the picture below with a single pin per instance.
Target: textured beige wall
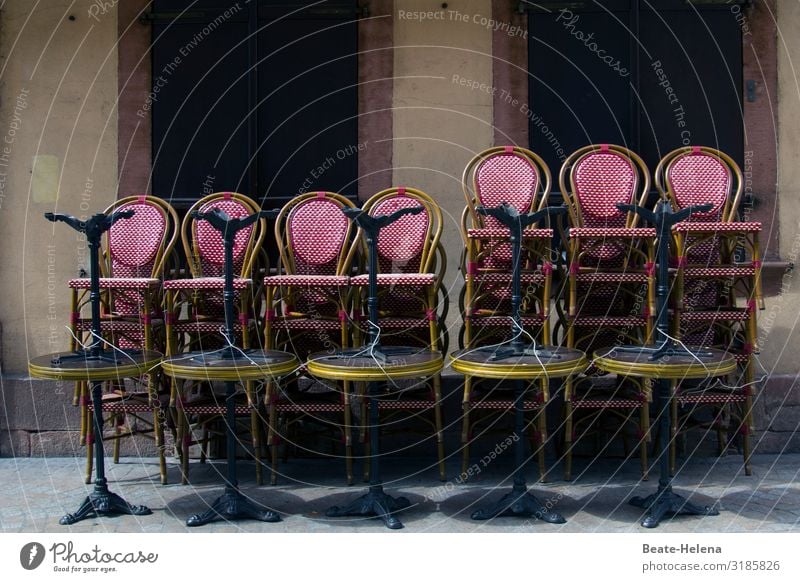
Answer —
(778, 323)
(440, 124)
(58, 87)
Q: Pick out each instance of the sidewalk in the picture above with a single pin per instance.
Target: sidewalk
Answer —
(37, 492)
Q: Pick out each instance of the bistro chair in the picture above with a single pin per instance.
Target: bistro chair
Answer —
(194, 316)
(518, 177)
(134, 253)
(411, 266)
(307, 311)
(610, 286)
(717, 289)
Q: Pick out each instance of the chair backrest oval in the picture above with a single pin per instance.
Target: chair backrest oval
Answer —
(696, 177)
(317, 233)
(204, 244)
(134, 244)
(506, 177)
(603, 179)
(401, 245)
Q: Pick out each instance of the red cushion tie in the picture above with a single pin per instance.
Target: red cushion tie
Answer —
(431, 314)
(748, 348)
(74, 317)
(146, 319)
(226, 195)
(574, 268)
(751, 305)
(757, 264)
(141, 199)
(603, 147)
(342, 315)
(472, 268)
(508, 149)
(169, 318)
(244, 318)
(320, 194)
(696, 150)
(547, 268)
(650, 268)
(401, 191)
(269, 315)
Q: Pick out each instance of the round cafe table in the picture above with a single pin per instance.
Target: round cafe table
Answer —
(96, 369)
(231, 367)
(664, 368)
(522, 366)
(389, 364)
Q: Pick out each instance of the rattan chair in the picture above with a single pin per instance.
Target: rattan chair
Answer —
(717, 289)
(135, 251)
(307, 310)
(610, 297)
(518, 177)
(194, 316)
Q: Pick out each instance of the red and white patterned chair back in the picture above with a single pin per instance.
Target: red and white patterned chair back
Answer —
(314, 234)
(694, 175)
(405, 246)
(701, 175)
(138, 246)
(504, 174)
(599, 178)
(203, 243)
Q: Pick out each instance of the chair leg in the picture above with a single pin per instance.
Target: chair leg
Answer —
(117, 419)
(748, 468)
(348, 432)
(568, 429)
(541, 431)
(437, 394)
(272, 428)
(158, 431)
(644, 429)
(673, 434)
(185, 437)
(256, 443)
(90, 436)
(465, 427)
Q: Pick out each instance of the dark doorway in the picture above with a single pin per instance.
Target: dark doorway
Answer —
(259, 98)
(651, 75)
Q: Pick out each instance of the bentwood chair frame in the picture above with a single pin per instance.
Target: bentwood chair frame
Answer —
(519, 177)
(307, 309)
(200, 297)
(712, 278)
(610, 262)
(411, 266)
(135, 251)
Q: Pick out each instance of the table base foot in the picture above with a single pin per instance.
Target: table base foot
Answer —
(519, 503)
(102, 502)
(375, 503)
(665, 503)
(232, 506)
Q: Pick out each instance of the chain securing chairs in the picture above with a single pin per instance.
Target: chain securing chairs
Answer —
(411, 267)
(519, 177)
(307, 310)
(135, 252)
(194, 316)
(610, 285)
(717, 289)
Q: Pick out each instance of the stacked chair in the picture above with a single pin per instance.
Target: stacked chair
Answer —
(717, 290)
(307, 310)
(520, 178)
(410, 272)
(194, 316)
(135, 252)
(609, 291)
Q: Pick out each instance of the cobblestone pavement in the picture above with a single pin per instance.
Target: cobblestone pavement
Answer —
(37, 492)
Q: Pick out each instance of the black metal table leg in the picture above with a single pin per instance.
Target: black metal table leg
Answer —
(519, 502)
(231, 505)
(665, 502)
(375, 503)
(101, 501)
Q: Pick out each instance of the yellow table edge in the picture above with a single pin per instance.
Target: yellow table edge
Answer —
(174, 369)
(519, 371)
(98, 374)
(331, 372)
(666, 371)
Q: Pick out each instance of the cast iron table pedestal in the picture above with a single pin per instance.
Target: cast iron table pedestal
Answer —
(556, 363)
(66, 366)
